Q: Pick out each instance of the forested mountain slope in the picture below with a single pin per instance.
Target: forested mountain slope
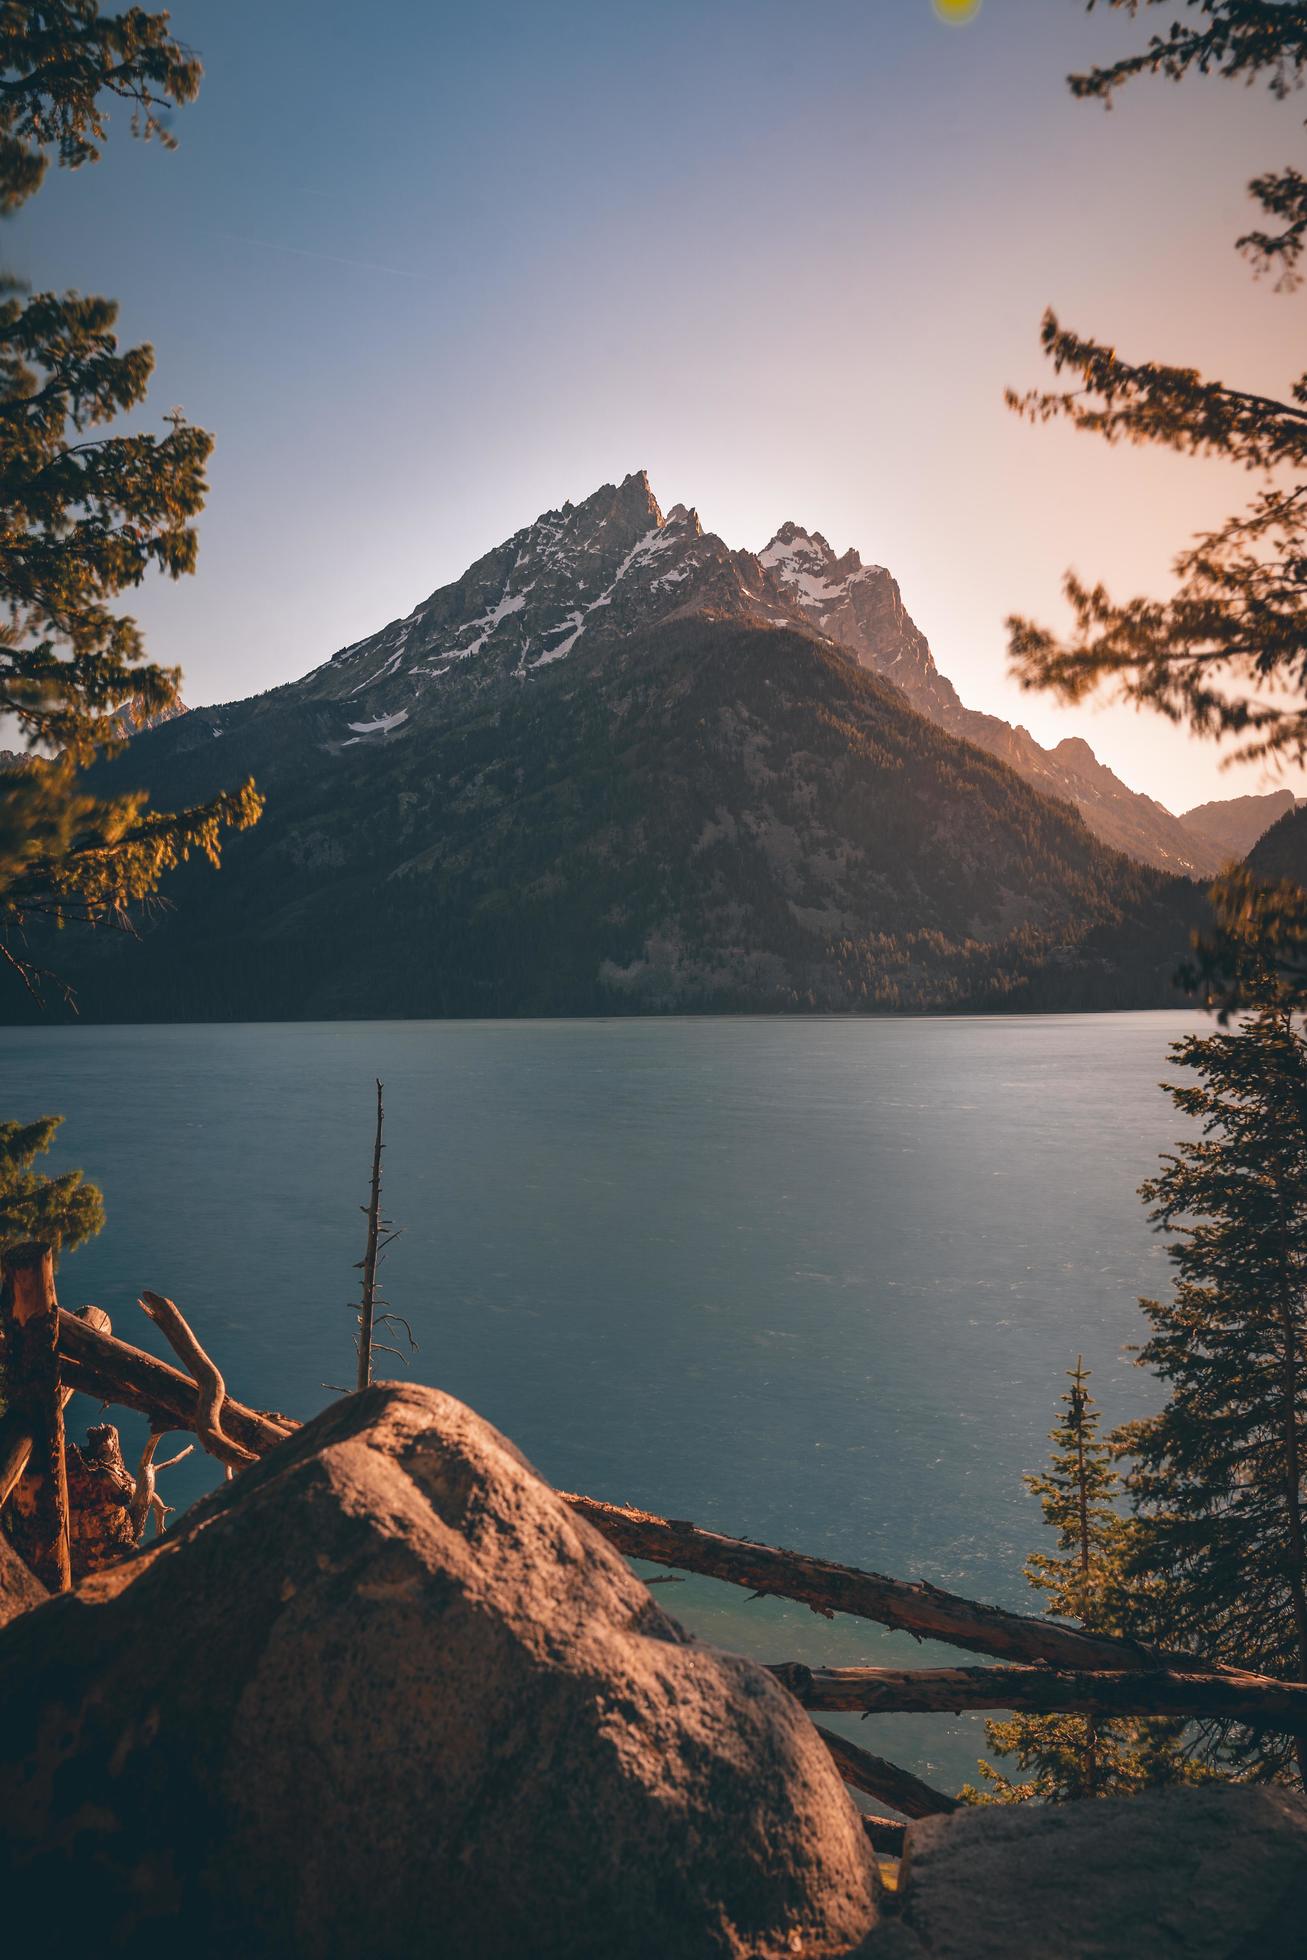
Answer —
(614, 769)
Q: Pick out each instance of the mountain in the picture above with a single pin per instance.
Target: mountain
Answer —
(860, 606)
(1233, 825)
(617, 767)
(1281, 852)
(125, 722)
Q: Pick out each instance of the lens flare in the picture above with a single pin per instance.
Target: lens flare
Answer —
(957, 12)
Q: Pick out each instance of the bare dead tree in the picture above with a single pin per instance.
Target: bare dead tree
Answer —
(381, 1233)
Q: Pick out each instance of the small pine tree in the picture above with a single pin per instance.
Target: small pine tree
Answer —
(1063, 1757)
(61, 1211)
(1219, 1477)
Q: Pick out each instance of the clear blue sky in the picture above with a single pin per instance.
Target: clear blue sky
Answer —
(426, 270)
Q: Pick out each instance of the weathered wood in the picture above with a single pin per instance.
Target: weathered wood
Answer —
(1254, 1699)
(878, 1778)
(1139, 1680)
(211, 1389)
(29, 1330)
(99, 1497)
(16, 1429)
(828, 1588)
(111, 1370)
(143, 1494)
(145, 1502)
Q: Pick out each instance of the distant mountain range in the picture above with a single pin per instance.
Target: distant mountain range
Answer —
(617, 766)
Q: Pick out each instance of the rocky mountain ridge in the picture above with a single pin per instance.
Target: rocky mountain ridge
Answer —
(861, 608)
(620, 767)
(1233, 825)
(615, 563)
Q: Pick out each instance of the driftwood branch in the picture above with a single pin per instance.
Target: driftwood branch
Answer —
(913, 1606)
(143, 1498)
(211, 1389)
(146, 1502)
(111, 1370)
(1253, 1699)
(877, 1778)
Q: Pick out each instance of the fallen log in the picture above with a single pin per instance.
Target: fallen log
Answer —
(1253, 1699)
(913, 1606)
(1072, 1662)
(110, 1370)
(877, 1778)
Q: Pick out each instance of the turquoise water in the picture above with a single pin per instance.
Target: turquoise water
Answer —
(809, 1281)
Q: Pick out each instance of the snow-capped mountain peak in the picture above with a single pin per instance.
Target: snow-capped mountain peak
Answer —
(809, 573)
(604, 567)
(587, 575)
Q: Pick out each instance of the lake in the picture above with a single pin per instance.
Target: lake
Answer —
(810, 1281)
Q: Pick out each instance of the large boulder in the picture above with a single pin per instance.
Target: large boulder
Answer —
(1213, 1873)
(385, 1695)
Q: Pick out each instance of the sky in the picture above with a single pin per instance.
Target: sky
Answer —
(427, 270)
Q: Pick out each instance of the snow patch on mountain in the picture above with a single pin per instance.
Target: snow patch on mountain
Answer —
(641, 552)
(510, 603)
(381, 726)
(806, 567)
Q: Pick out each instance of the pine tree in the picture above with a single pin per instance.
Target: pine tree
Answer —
(83, 516)
(1064, 1757)
(1237, 620)
(1226, 652)
(1219, 1476)
(61, 1211)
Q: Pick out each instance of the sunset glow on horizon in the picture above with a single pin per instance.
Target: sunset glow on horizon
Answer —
(785, 260)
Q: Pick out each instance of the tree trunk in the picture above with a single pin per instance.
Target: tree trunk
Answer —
(1293, 1491)
(16, 1431)
(29, 1327)
(1255, 1699)
(368, 1297)
(1082, 1511)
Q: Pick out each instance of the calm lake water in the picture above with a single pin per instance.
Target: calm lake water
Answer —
(809, 1281)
